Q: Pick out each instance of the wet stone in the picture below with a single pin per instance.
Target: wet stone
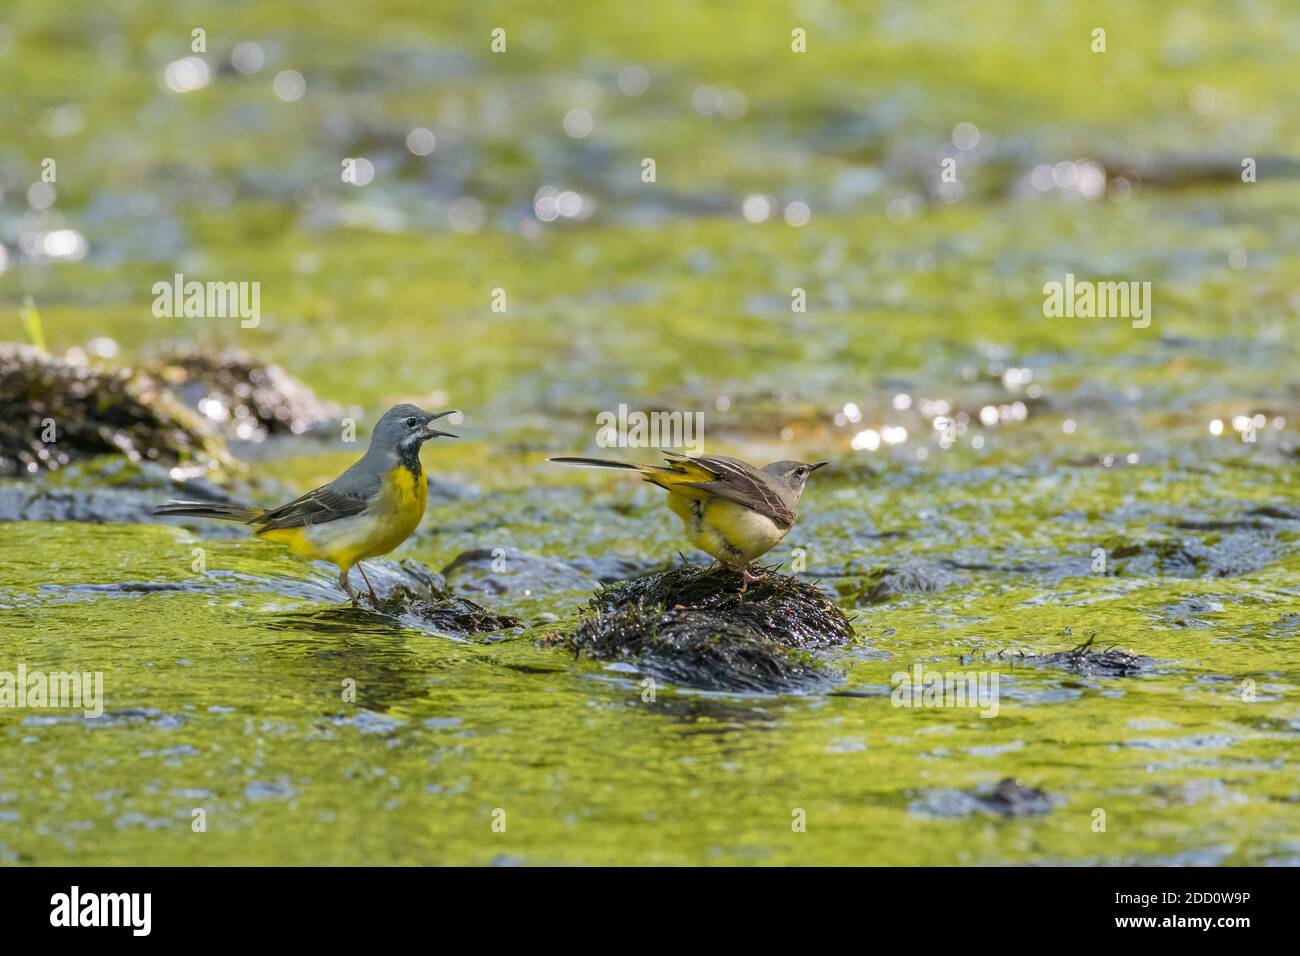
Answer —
(96, 506)
(457, 615)
(610, 568)
(106, 490)
(511, 571)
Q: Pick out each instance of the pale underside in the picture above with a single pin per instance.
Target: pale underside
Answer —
(730, 532)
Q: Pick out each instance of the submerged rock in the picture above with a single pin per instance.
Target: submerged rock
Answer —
(1277, 512)
(1007, 798)
(511, 571)
(248, 400)
(611, 568)
(692, 626)
(90, 411)
(1234, 552)
(911, 576)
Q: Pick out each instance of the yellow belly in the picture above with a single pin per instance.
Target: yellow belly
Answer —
(729, 532)
(389, 520)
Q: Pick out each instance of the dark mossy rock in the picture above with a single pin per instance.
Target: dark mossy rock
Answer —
(449, 613)
(91, 411)
(694, 627)
(248, 400)
(410, 589)
(1088, 661)
(1085, 660)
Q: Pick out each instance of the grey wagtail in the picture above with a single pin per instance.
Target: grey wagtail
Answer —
(367, 511)
(730, 509)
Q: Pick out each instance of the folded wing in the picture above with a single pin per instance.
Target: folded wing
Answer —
(315, 507)
(735, 481)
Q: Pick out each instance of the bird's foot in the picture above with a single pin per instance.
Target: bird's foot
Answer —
(746, 575)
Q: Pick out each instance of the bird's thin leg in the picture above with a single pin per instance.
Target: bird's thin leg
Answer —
(347, 587)
(369, 586)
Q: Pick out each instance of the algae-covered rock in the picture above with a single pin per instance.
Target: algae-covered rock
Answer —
(57, 411)
(248, 400)
(694, 627)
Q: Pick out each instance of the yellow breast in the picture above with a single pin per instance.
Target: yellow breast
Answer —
(397, 510)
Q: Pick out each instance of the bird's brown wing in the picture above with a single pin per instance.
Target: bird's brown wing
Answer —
(742, 483)
(315, 507)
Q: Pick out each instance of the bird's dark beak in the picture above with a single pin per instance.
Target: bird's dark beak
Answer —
(815, 465)
(431, 432)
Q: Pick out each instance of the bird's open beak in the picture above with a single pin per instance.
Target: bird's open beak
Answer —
(817, 464)
(431, 432)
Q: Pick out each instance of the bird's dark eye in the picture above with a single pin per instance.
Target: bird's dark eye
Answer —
(410, 422)
(801, 472)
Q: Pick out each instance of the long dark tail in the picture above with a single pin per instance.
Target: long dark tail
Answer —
(600, 463)
(208, 509)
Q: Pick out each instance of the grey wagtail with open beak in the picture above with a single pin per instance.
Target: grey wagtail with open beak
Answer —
(730, 509)
(367, 511)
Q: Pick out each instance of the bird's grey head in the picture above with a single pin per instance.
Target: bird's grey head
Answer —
(404, 428)
(792, 475)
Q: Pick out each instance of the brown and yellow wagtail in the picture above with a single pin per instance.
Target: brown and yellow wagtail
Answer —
(367, 511)
(730, 509)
